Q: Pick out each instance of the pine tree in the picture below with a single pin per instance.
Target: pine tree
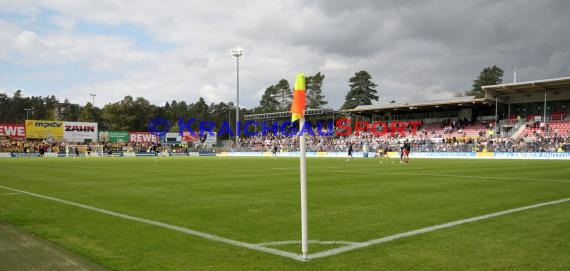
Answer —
(488, 76)
(362, 91)
(315, 98)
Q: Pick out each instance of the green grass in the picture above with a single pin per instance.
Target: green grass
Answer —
(23, 251)
(256, 200)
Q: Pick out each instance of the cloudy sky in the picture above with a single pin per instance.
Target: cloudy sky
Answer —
(165, 50)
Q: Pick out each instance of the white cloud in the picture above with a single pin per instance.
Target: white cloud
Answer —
(217, 93)
(65, 23)
(410, 53)
(7, 33)
(28, 42)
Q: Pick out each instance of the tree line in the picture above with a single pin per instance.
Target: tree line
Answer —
(133, 114)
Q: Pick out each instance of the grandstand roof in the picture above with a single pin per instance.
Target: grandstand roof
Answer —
(424, 105)
(554, 84)
(286, 114)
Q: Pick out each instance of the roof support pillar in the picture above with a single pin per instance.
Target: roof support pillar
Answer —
(496, 116)
(544, 112)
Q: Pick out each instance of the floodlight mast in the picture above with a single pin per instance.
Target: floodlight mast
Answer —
(237, 53)
(28, 112)
(93, 96)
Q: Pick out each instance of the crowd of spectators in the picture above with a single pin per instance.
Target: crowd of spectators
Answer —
(13, 145)
(24, 146)
(422, 141)
(450, 126)
(364, 141)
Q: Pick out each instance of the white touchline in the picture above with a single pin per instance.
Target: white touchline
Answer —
(167, 226)
(348, 246)
(467, 176)
(9, 194)
(429, 229)
(440, 175)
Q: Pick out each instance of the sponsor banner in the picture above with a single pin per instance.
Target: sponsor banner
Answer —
(292, 154)
(113, 136)
(479, 155)
(12, 130)
(142, 137)
(5, 154)
(211, 139)
(144, 154)
(118, 137)
(484, 154)
(114, 154)
(442, 155)
(531, 155)
(178, 154)
(80, 131)
(393, 154)
(172, 138)
(188, 137)
(50, 154)
(44, 129)
(438, 155)
(31, 154)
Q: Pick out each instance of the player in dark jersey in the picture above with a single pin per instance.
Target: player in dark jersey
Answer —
(407, 148)
(401, 153)
(42, 151)
(156, 150)
(274, 151)
(349, 152)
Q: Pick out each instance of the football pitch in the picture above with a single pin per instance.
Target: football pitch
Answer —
(211, 213)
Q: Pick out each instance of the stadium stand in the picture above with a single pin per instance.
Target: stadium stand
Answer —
(510, 118)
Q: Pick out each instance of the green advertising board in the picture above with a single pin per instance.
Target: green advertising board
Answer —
(113, 136)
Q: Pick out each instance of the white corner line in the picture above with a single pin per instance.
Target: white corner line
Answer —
(336, 251)
(349, 246)
(9, 194)
(317, 242)
(166, 226)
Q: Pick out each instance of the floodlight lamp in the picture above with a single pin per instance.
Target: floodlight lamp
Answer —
(237, 52)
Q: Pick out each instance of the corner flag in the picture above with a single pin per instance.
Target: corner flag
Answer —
(298, 113)
(299, 98)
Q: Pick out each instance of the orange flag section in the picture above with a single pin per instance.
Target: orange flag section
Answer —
(299, 98)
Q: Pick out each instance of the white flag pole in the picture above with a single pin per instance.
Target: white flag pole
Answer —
(304, 222)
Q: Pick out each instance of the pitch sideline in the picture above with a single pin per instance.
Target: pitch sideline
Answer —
(164, 225)
(439, 175)
(349, 246)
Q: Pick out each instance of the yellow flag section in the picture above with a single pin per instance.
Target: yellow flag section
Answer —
(299, 98)
(44, 129)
